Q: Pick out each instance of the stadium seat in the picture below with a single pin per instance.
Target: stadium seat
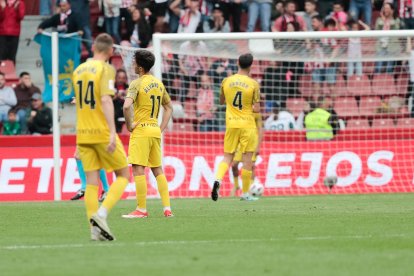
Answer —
(305, 86)
(405, 123)
(368, 67)
(383, 84)
(340, 86)
(357, 124)
(402, 83)
(346, 106)
(359, 85)
(295, 105)
(368, 105)
(383, 123)
(7, 67)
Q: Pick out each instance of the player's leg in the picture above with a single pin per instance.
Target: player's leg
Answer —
(248, 144)
(117, 162)
(139, 149)
(82, 176)
(163, 190)
(154, 161)
(105, 184)
(235, 170)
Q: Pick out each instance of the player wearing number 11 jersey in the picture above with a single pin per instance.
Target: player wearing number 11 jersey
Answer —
(96, 138)
(142, 106)
(241, 95)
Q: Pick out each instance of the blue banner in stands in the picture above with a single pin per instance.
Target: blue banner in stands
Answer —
(69, 59)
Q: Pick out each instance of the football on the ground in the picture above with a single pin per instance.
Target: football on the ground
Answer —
(256, 189)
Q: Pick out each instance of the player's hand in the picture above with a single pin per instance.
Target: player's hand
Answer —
(131, 127)
(112, 143)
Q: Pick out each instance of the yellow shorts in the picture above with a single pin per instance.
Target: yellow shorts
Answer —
(95, 157)
(145, 151)
(242, 138)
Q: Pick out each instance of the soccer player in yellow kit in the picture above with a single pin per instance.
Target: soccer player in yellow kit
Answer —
(241, 95)
(98, 144)
(141, 109)
(238, 155)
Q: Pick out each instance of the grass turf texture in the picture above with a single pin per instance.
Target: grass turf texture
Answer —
(312, 235)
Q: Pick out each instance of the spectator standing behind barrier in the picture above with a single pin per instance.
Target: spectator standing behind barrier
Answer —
(362, 7)
(406, 13)
(310, 11)
(112, 12)
(387, 46)
(256, 9)
(121, 87)
(7, 98)
(40, 117)
(338, 14)
(24, 91)
(11, 15)
(12, 126)
(205, 105)
(190, 18)
(355, 49)
(81, 8)
(66, 21)
(140, 30)
(216, 23)
(321, 123)
(233, 8)
(289, 16)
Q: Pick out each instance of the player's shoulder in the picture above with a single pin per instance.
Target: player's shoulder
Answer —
(108, 67)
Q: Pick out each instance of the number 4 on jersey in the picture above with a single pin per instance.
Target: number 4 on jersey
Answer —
(237, 101)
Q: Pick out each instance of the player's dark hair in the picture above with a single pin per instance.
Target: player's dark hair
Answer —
(144, 59)
(245, 61)
(22, 74)
(103, 43)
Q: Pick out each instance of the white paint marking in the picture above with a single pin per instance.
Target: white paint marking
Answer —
(155, 243)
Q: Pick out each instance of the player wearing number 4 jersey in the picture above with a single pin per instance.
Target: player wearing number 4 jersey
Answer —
(141, 109)
(96, 138)
(241, 95)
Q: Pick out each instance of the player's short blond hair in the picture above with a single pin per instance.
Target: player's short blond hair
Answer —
(103, 43)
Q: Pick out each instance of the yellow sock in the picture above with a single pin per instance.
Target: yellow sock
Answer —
(222, 169)
(91, 200)
(246, 178)
(115, 193)
(236, 182)
(163, 190)
(141, 190)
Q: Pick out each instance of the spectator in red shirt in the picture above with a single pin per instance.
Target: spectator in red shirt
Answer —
(289, 16)
(11, 15)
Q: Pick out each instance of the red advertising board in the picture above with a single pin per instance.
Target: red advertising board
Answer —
(288, 168)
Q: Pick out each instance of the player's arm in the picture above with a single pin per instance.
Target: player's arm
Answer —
(222, 97)
(168, 110)
(256, 99)
(128, 107)
(260, 131)
(108, 110)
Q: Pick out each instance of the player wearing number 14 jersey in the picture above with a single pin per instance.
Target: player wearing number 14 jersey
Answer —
(141, 109)
(96, 138)
(241, 95)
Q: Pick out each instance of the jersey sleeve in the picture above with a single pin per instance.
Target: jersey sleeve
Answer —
(256, 93)
(108, 81)
(133, 90)
(166, 98)
(222, 87)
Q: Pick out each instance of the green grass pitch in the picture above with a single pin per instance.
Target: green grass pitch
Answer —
(309, 235)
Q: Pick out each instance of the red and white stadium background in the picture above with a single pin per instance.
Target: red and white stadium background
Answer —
(288, 165)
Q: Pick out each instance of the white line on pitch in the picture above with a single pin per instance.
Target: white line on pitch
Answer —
(172, 242)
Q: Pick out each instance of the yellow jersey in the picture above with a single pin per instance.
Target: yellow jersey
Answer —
(148, 94)
(92, 80)
(240, 92)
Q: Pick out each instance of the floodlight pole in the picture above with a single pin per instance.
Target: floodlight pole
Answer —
(56, 128)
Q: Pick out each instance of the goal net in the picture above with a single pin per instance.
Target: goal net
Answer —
(362, 78)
